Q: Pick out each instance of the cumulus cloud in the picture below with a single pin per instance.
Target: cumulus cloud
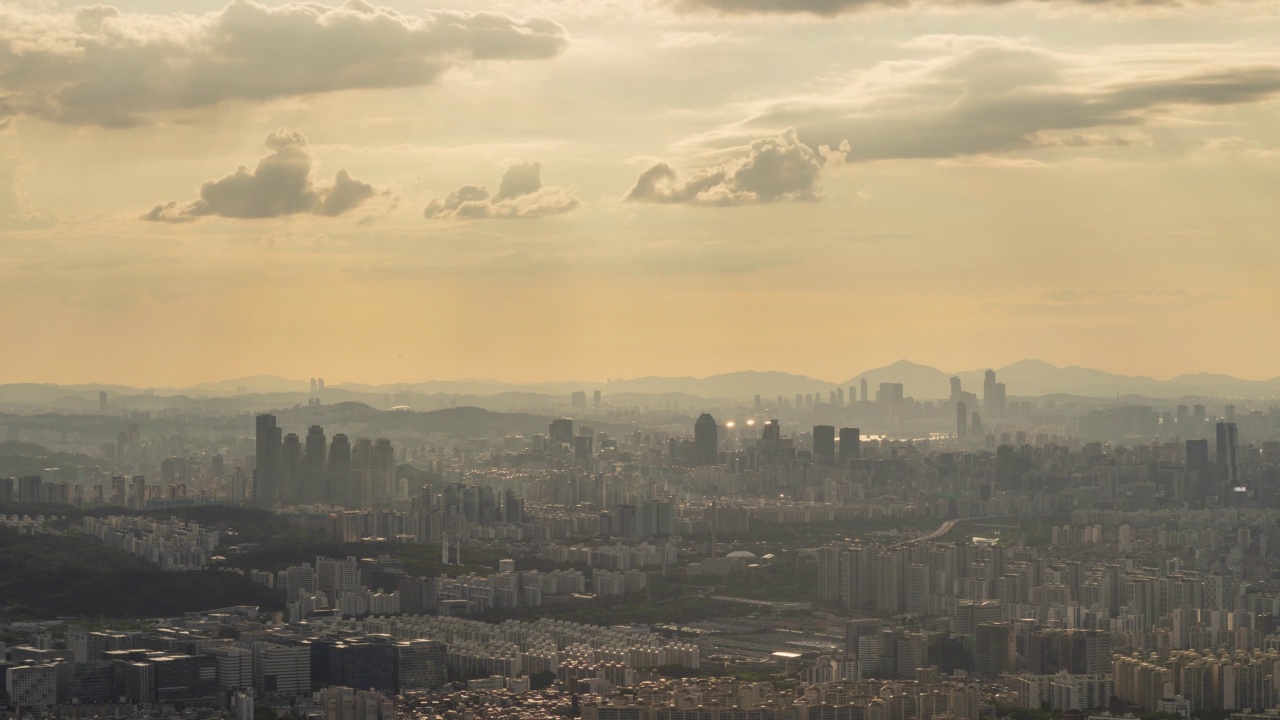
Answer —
(988, 96)
(98, 65)
(521, 195)
(770, 170)
(280, 185)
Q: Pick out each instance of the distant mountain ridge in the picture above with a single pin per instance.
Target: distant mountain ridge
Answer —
(1027, 378)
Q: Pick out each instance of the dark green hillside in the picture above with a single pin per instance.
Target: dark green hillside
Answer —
(47, 576)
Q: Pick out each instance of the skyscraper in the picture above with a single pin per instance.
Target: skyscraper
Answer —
(824, 445)
(850, 443)
(705, 441)
(339, 470)
(315, 489)
(1228, 458)
(291, 469)
(266, 474)
(962, 420)
(955, 388)
(561, 435)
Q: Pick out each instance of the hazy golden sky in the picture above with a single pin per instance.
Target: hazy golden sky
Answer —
(555, 189)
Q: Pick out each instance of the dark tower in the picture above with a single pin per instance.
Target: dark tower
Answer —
(315, 489)
(339, 470)
(824, 445)
(266, 474)
(850, 443)
(705, 441)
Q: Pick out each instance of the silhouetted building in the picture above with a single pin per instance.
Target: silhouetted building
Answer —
(705, 441)
(339, 470)
(824, 445)
(266, 474)
(850, 443)
(315, 488)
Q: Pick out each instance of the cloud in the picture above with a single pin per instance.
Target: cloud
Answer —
(280, 185)
(520, 196)
(101, 66)
(989, 96)
(832, 8)
(772, 169)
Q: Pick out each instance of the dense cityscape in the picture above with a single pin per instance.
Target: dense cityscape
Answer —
(847, 553)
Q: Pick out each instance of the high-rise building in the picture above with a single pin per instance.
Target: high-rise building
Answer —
(1200, 468)
(706, 441)
(850, 443)
(102, 402)
(595, 400)
(955, 388)
(266, 474)
(315, 489)
(962, 420)
(339, 471)
(824, 445)
(578, 399)
(291, 469)
(560, 434)
(891, 400)
(1228, 458)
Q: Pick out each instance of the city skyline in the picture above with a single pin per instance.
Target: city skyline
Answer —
(535, 190)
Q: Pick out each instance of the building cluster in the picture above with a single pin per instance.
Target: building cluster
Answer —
(289, 470)
(172, 544)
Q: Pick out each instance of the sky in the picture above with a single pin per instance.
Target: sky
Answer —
(537, 190)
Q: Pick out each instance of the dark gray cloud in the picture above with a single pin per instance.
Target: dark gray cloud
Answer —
(987, 96)
(280, 185)
(521, 195)
(101, 66)
(772, 169)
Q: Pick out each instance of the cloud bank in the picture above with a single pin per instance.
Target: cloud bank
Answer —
(101, 66)
(832, 8)
(280, 185)
(989, 96)
(771, 170)
(520, 196)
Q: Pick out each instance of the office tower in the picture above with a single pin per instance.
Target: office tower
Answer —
(988, 390)
(840, 397)
(1228, 458)
(314, 487)
(1199, 468)
(759, 405)
(955, 388)
(582, 447)
(824, 445)
(1200, 416)
(339, 471)
(706, 448)
(313, 386)
(1230, 413)
(850, 443)
(962, 420)
(831, 397)
(266, 474)
(560, 433)
(384, 468)
(863, 394)
(102, 402)
(319, 385)
(595, 400)
(290, 469)
(578, 400)
(975, 425)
